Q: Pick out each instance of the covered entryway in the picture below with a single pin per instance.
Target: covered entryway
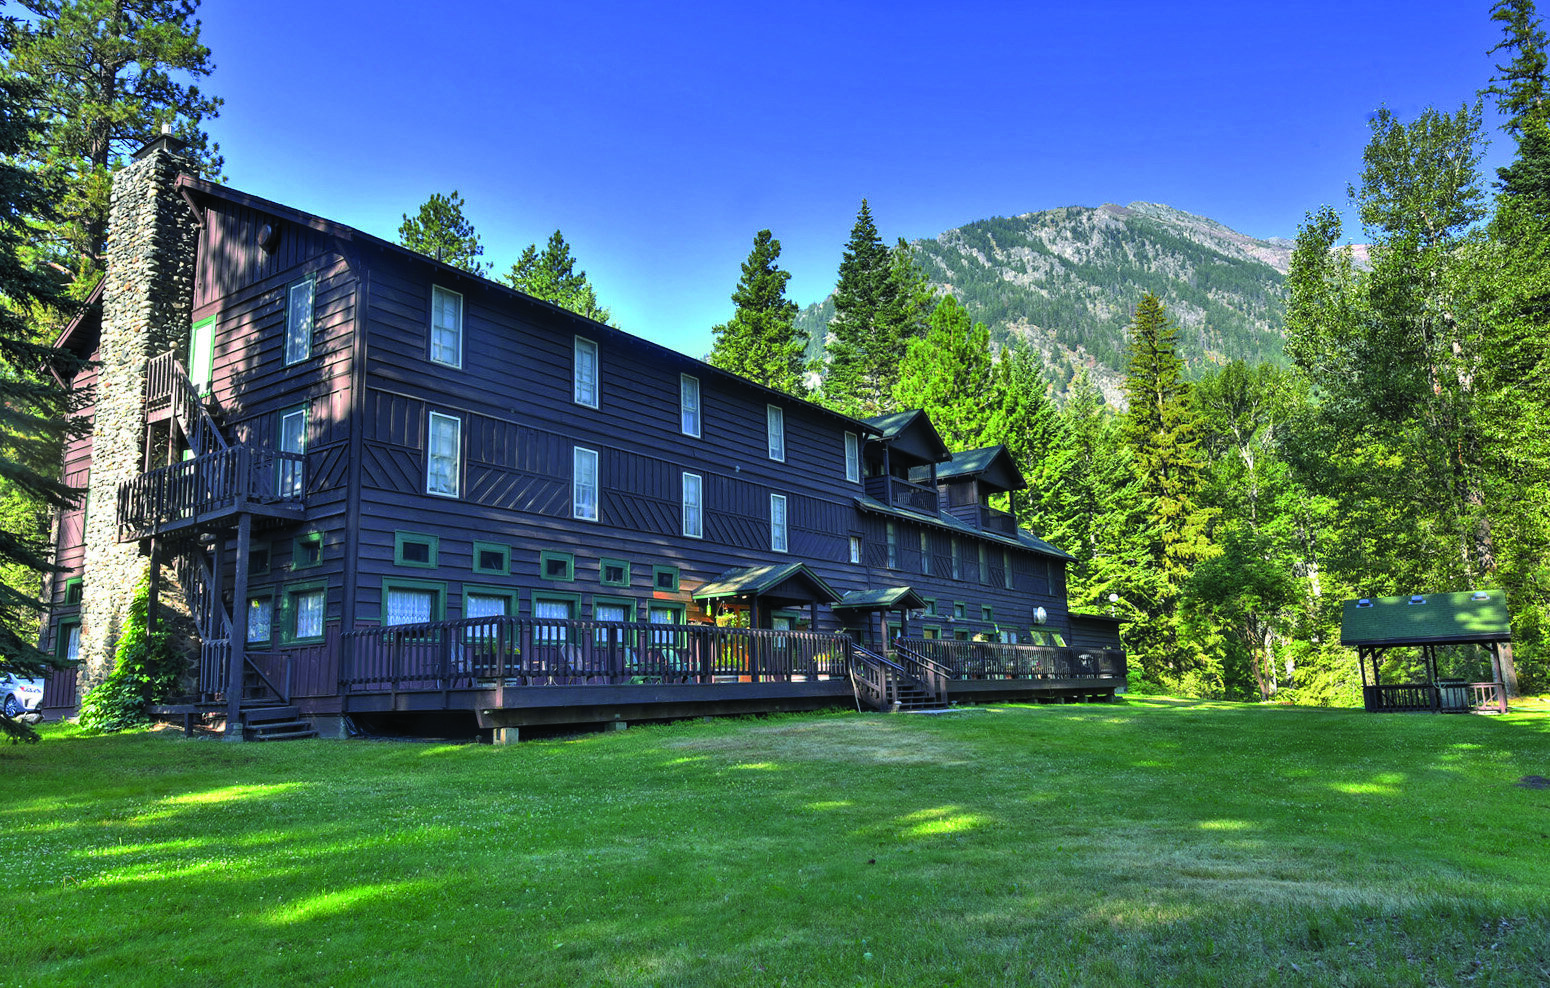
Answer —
(874, 618)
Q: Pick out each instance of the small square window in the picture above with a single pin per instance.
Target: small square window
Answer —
(987, 613)
(614, 572)
(559, 566)
(959, 610)
(931, 606)
(307, 550)
(492, 559)
(73, 590)
(410, 549)
(664, 577)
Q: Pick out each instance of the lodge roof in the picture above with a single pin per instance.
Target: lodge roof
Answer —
(990, 463)
(1426, 619)
(886, 598)
(911, 432)
(789, 582)
(1024, 539)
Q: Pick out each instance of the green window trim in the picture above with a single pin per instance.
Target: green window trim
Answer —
(931, 631)
(553, 555)
(481, 549)
(658, 572)
(960, 610)
(432, 545)
(284, 613)
(74, 588)
(201, 354)
(602, 572)
(511, 595)
(987, 613)
(438, 587)
(930, 607)
(299, 552)
(62, 637)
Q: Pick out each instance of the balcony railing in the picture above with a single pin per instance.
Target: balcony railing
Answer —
(211, 487)
(476, 652)
(917, 497)
(991, 660)
(998, 521)
(1446, 697)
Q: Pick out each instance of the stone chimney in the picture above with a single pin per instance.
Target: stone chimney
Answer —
(147, 305)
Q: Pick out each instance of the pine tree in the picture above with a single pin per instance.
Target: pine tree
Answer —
(853, 381)
(762, 342)
(1522, 99)
(107, 75)
(441, 232)
(948, 373)
(34, 408)
(1023, 419)
(552, 276)
(1163, 432)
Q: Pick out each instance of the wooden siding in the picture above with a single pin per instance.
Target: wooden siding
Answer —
(230, 259)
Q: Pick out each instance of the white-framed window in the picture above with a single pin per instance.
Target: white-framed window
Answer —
(689, 405)
(778, 541)
(775, 431)
(290, 474)
(298, 322)
(584, 484)
(855, 548)
(444, 454)
(694, 506)
(586, 389)
(446, 327)
(852, 457)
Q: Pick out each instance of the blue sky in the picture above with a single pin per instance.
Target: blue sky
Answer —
(660, 137)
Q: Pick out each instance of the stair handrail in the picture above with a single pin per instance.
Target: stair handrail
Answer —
(188, 408)
(929, 672)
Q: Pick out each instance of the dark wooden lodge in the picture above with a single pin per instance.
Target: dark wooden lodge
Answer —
(1471, 621)
(390, 490)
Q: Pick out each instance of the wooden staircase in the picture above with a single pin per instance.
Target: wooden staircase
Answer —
(885, 685)
(268, 721)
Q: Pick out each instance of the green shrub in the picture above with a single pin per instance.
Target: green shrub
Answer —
(145, 670)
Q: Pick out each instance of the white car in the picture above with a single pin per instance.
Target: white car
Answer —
(19, 694)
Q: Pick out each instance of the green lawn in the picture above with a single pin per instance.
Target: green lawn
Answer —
(1147, 841)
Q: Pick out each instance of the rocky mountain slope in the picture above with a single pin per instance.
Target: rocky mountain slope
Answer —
(1067, 280)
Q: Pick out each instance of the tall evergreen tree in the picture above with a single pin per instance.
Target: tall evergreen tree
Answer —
(948, 373)
(1163, 433)
(882, 302)
(108, 77)
(34, 409)
(440, 231)
(551, 275)
(762, 342)
(1022, 418)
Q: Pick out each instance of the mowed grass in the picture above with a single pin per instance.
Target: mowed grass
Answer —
(1141, 842)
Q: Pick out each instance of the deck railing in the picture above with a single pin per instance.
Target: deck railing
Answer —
(996, 520)
(1446, 697)
(537, 652)
(227, 479)
(992, 660)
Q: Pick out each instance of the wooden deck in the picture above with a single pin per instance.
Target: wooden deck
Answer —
(510, 672)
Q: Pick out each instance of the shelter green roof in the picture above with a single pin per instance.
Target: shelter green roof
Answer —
(886, 598)
(1426, 619)
(750, 581)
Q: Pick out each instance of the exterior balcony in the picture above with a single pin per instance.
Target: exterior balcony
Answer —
(209, 492)
(897, 492)
(998, 521)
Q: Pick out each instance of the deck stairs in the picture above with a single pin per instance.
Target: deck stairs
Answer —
(884, 684)
(266, 721)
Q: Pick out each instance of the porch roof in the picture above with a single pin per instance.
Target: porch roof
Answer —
(782, 583)
(882, 599)
(1427, 619)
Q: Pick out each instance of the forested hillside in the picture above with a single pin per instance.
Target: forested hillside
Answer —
(1066, 281)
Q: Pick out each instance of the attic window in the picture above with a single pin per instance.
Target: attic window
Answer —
(1364, 602)
(1417, 599)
